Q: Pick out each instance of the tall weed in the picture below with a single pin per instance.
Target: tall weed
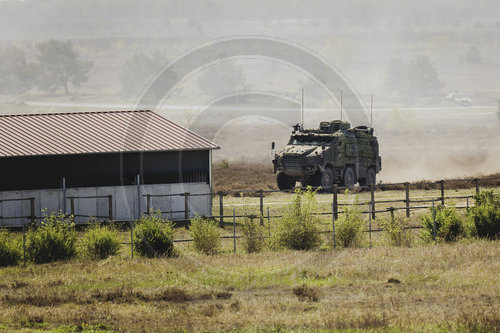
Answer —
(153, 236)
(10, 252)
(54, 239)
(449, 225)
(396, 231)
(485, 215)
(206, 235)
(100, 242)
(349, 226)
(254, 239)
(298, 228)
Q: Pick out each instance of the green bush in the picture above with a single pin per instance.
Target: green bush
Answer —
(485, 215)
(349, 226)
(449, 225)
(10, 253)
(396, 231)
(254, 239)
(100, 242)
(153, 236)
(298, 228)
(206, 236)
(54, 239)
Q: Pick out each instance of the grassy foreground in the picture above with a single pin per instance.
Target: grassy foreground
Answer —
(427, 288)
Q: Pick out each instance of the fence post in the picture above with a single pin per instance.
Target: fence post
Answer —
(467, 202)
(476, 180)
(391, 209)
(442, 191)
(335, 200)
(186, 208)
(234, 230)
(261, 197)
(407, 189)
(370, 222)
(64, 194)
(138, 181)
(110, 205)
(132, 238)
(372, 199)
(334, 211)
(72, 206)
(24, 244)
(148, 204)
(32, 210)
(434, 222)
(221, 209)
(269, 222)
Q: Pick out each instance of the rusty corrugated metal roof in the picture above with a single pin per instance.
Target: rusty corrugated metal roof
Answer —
(94, 132)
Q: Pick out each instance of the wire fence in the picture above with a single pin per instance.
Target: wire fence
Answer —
(372, 207)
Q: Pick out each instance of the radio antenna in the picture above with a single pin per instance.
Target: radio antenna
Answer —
(371, 112)
(341, 101)
(302, 110)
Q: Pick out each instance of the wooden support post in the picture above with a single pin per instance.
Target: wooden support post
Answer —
(110, 207)
(234, 230)
(32, 210)
(221, 209)
(372, 199)
(269, 221)
(24, 245)
(391, 209)
(132, 239)
(186, 208)
(434, 222)
(370, 222)
(335, 200)
(333, 224)
(261, 197)
(72, 206)
(148, 204)
(407, 189)
(441, 182)
(476, 181)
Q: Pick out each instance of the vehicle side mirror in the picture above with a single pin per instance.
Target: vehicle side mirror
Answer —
(273, 145)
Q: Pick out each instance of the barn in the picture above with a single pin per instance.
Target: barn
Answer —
(110, 164)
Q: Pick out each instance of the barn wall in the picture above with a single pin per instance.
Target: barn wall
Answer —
(92, 170)
(125, 202)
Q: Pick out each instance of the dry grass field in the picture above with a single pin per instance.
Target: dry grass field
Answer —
(382, 289)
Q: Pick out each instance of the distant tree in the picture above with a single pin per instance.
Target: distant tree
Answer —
(473, 56)
(418, 78)
(60, 65)
(16, 74)
(423, 78)
(137, 70)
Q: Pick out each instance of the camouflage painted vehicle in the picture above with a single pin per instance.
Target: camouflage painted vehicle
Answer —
(333, 154)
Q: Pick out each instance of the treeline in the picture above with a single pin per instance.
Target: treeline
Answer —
(57, 65)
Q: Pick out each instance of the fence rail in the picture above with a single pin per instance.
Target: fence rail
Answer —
(260, 194)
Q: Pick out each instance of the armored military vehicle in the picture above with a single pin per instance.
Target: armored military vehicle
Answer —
(333, 154)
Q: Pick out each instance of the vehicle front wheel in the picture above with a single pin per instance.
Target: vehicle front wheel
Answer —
(284, 181)
(326, 179)
(349, 178)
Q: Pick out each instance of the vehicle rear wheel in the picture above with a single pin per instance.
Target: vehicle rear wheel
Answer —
(326, 179)
(370, 179)
(349, 179)
(284, 181)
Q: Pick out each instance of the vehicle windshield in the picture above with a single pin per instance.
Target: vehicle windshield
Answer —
(310, 140)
